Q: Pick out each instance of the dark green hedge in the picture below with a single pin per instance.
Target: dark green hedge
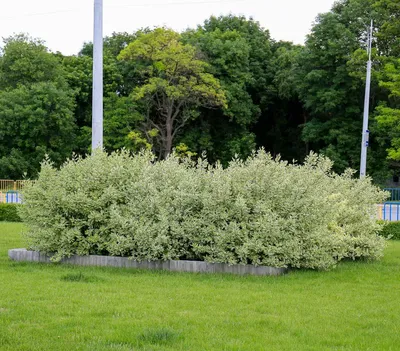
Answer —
(391, 230)
(9, 213)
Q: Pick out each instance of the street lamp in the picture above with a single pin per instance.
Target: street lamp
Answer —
(365, 131)
(97, 108)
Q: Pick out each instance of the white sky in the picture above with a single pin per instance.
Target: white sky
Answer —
(66, 25)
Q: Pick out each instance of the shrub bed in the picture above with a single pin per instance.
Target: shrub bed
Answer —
(391, 230)
(260, 211)
(9, 213)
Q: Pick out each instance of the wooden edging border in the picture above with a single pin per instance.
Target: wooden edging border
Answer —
(24, 255)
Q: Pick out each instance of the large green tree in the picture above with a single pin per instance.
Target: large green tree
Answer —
(239, 52)
(36, 108)
(176, 84)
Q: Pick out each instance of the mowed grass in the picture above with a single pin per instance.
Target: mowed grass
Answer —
(59, 307)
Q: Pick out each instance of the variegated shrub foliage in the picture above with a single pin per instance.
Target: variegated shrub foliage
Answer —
(260, 211)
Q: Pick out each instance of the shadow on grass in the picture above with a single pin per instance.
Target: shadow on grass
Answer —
(159, 336)
(80, 277)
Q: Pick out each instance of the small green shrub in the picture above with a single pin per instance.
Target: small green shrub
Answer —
(9, 213)
(259, 211)
(391, 230)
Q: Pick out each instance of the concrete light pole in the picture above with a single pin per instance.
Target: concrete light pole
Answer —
(365, 131)
(97, 108)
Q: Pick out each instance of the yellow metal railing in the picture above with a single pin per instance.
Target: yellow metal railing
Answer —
(380, 212)
(8, 185)
(8, 188)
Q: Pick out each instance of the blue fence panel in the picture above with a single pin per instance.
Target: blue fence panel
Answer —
(394, 193)
(13, 197)
(391, 211)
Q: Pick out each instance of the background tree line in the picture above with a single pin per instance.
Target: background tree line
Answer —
(225, 87)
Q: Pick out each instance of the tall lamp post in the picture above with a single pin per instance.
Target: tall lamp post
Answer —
(365, 131)
(97, 108)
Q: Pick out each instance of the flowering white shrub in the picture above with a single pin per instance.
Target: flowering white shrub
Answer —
(259, 211)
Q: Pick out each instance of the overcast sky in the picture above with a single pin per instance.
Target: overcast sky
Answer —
(66, 25)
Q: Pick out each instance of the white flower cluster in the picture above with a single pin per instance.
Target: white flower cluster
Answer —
(260, 211)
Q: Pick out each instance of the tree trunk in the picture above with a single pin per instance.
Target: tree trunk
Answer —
(168, 137)
(306, 143)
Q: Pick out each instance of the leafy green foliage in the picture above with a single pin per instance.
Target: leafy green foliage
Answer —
(224, 88)
(34, 121)
(138, 142)
(333, 98)
(9, 213)
(121, 117)
(183, 151)
(26, 61)
(389, 32)
(331, 80)
(35, 108)
(389, 112)
(176, 82)
(258, 211)
(391, 230)
(239, 53)
(120, 114)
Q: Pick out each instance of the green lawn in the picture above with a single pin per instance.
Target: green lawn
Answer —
(58, 307)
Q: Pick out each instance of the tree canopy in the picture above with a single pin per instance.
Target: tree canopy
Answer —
(36, 108)
(223, 88)
(176, 82)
